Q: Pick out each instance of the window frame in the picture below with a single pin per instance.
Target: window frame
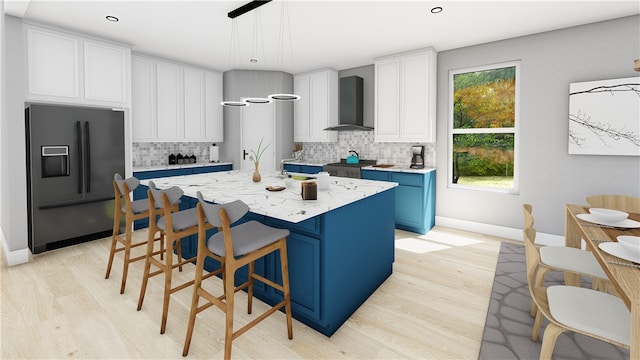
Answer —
(515, 130)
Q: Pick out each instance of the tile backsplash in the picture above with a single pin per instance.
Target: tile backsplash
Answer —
(362, 143)
(157, 153)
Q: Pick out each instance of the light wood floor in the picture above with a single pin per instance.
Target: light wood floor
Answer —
(433, 306)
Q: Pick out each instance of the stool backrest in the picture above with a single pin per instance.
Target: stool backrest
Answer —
(235, 211)
(131, 183)
(173, 193)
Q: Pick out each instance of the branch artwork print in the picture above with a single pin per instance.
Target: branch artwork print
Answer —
(604, 117)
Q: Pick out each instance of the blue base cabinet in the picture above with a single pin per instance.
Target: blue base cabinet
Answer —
(336, 261)
(415, 198)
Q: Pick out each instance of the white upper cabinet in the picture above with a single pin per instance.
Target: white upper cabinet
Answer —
(405, 97)
(317, 107)
(168, 102)
(105, 72)
(194, 126)
(143, 109)
(214, 129)
(67, 68)
(52, 64)
(172, 102)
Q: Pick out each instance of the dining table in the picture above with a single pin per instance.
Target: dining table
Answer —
(624, 275)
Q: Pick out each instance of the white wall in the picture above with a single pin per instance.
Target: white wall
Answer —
(549, 176)
(13, 167)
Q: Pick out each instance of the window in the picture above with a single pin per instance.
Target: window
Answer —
(483, 110)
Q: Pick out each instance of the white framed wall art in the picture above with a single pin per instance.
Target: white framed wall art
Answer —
(604, 117)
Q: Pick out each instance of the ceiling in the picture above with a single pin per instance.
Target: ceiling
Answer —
(337, 34)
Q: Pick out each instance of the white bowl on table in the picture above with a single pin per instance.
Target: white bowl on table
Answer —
(630, 244)
(608, 215)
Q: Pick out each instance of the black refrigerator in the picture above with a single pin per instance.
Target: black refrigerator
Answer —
(72, 155)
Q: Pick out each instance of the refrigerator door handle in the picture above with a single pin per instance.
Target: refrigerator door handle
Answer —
(80, 157)
(87, 156)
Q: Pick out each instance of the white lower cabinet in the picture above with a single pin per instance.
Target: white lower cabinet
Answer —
(405, 97)
(63, 67)
(171, 102)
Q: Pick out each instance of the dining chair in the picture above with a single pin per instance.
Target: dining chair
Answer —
(172, 227)
(131, 210)
(570, 308)
(624, 203)
(563, 258)
(236, 247)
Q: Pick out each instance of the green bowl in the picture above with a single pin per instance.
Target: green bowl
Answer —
(299, 177)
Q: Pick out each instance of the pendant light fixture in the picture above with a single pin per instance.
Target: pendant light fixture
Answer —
(284, 17)
(233, 46)
(257, 43)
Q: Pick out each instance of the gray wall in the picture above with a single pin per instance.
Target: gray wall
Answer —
(549, 176)
(244, 83)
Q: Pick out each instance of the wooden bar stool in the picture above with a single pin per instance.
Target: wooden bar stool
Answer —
(246, 243)
(172, 227)
(131, 210)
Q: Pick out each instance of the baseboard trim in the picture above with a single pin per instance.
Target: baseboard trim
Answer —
(13, 257)
(500, 231)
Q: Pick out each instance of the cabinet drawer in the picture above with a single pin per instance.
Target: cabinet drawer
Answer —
(292, 168)
(375, 175)
(142, 175)
(310, 169)
(309, 226)
(210, 169)
(407, 179)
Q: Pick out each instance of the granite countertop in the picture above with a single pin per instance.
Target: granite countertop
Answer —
(400, 168)
(227, 186)
(181, 166)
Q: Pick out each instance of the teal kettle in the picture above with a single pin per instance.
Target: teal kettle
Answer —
(353, 157)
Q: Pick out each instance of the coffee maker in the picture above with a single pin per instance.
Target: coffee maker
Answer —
(417, 159)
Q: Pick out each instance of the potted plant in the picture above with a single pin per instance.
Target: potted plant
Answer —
(255, 157)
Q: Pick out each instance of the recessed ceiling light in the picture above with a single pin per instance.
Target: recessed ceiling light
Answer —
(436, 10)
(112, 18)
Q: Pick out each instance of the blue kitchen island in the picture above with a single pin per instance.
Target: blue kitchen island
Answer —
(341, 246)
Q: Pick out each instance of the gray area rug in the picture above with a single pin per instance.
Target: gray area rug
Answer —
(507, 332)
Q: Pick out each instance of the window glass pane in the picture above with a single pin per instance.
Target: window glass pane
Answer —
(483, 160)
(484, 99)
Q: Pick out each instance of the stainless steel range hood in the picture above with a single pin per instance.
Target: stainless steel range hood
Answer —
(350, 105)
